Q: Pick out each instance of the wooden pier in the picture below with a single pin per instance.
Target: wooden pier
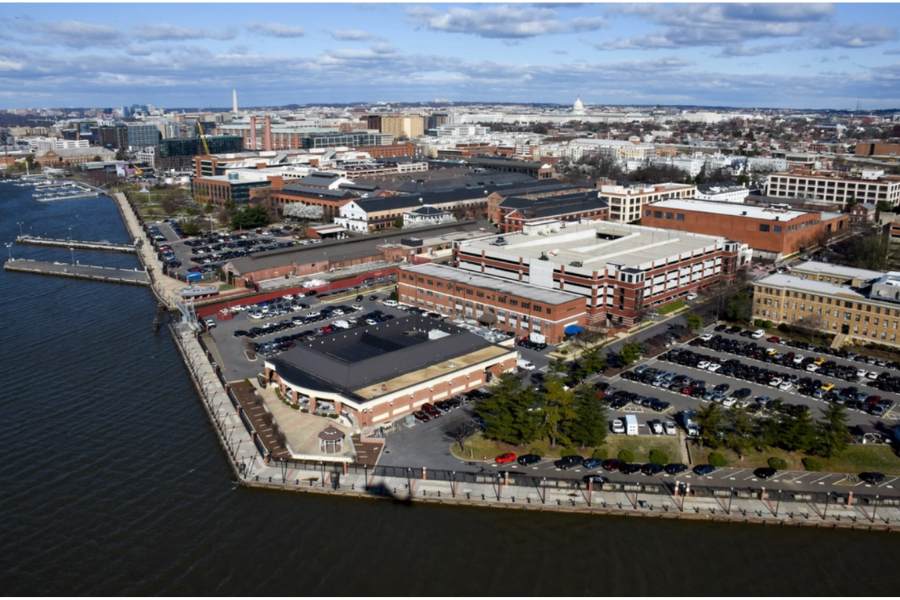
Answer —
(78, 271)
(78, 244)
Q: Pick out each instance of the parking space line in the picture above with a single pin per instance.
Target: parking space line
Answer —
(821, 478)
(885, 484)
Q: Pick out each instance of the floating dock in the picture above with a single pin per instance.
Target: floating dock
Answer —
(78, 244)
(78, 271)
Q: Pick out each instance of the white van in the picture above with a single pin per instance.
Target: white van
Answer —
(631, 425)
(525, 365)
(758, 334)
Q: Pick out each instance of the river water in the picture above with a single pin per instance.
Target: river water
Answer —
(112, 483)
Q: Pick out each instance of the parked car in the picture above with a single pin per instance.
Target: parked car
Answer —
(618, 426)
(528, 459)
(421, 416)
(871, 477)
(704, 469)
(650, 469)
(592, 463)
(675, 468)
(505, 458)
(764, 472)
(568, 462)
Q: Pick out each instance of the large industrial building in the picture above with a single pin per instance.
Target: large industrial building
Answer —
(772, 232)
(856, 304)
(375, 375)
(621, 269)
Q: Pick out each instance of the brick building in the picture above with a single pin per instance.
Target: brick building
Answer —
(621, 269)
(507, 305)
(867, 310)
(770, 231)
(375, 375)
(517, 213)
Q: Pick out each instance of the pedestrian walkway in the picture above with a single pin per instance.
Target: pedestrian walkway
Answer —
(167, 289)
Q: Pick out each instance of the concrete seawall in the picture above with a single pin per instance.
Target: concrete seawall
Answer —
(252, 470)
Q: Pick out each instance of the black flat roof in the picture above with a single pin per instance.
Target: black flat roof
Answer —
(356, 358)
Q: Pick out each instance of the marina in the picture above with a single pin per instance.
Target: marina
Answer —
(47, 189)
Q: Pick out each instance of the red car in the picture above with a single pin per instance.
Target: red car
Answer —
(506, 457)
(431, 410)
(774, 339)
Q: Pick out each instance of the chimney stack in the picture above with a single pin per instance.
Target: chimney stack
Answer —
(267, 133)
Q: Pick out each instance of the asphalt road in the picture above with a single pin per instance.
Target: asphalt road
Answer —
(427, 444)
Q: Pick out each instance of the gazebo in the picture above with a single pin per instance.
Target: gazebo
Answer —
(331, 440)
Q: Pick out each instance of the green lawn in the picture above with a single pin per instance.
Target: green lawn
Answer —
(671, 307)
(855, 459)
(478, 447)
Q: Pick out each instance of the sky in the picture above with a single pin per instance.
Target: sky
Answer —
(186, 55)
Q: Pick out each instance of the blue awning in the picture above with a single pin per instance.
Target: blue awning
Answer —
(573, 329)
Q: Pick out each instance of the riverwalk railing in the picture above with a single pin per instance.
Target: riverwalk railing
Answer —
(676, 498)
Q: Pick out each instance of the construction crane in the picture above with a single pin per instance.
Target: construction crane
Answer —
(203, 137)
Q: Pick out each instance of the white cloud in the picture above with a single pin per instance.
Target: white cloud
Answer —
(502, 21)
(278, 30)
(351, 35)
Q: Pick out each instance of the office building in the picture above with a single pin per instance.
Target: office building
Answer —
(142, 135)
(621, 269)
(772, 232)
(503, 304)
(853, 304)
(867, 186)
(626, 203)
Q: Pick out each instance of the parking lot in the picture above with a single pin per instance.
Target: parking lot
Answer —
(233, 349)
(207, 252)
(742, 372)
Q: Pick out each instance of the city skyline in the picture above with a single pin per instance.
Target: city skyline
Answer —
(772, 55)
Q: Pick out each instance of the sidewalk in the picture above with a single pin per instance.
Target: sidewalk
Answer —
(167, 289)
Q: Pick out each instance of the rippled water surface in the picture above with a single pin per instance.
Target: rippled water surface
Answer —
(112, 482)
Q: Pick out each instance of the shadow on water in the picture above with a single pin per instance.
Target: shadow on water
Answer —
(382, 491)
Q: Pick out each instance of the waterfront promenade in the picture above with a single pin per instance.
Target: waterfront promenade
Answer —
(492, 489)
(167, 289)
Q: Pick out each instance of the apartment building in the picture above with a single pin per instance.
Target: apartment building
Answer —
(626, 203)
(510, 306)
(869, 186)
(621, 270)
(868, 312)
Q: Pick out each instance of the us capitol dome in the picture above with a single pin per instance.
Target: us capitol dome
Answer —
(578, 107)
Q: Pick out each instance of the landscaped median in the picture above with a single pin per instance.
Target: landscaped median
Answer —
(856, 458)
(479, 448)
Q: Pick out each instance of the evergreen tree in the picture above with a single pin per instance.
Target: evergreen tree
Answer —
(588, 425)
(833, 431)
(711, 423)
(796, 431)
(741, 432)
(558, 409)
(508, 412)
